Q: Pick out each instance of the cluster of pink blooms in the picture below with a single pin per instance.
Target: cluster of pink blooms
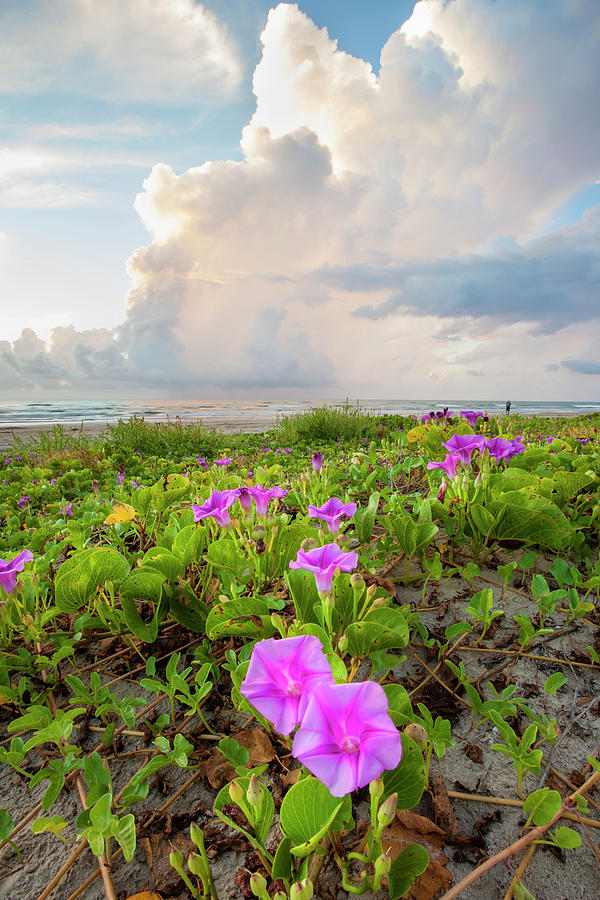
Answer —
(462, 447)
(346, 737)
(217, 505)
(10, 567)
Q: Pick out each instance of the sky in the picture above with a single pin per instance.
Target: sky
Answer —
(323, 199)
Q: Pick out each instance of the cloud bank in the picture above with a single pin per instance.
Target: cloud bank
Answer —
(380, 231)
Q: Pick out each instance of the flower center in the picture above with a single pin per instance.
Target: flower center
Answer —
(293, 689)
(350, 744)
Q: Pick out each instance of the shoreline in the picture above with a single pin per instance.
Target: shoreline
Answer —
(227, 424)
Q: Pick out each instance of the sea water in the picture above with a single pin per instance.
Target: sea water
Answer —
(260, 413)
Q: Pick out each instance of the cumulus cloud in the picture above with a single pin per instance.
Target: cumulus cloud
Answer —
(69, 357)
(130, 49)
(380, 198)
(377, 227)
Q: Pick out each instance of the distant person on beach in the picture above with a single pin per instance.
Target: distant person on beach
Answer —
(507, 407)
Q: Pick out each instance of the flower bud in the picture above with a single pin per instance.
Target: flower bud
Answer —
(478, 480)
(417, 733)
(280, 895)
(309, 544)
(317, 461)
(378, 603)
(327, 599)
(258, 533)
(387, 810)
(357, 581)
(302, 890)
(254, 792)
(176, 860)
(27, 619)
(376, 788)
(343, 644)
(383, 864)
(371, 590)
(442, 490)
(196, 865)
(258, 884)
(236, 793)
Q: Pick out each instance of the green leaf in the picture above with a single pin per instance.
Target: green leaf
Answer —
(124, 832)
(308, 810)
(381, 629)
(53, 824)
(6, 824)
(364, 518)
(248, 616)
(224, 554)
(303, 591)
(408, 778)
(554, 682)
(407, 866)
(542, 805)
(567, 838)
(400, 708)
(266, 812)
(189, 544)
(100, 813)
(164, 562)
(284, 861)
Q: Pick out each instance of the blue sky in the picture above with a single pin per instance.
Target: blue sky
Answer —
(312, 218)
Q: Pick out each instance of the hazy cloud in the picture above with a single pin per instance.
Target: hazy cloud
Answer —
(119, 49)
(582, 366)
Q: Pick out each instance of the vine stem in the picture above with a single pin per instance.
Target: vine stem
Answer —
(533, 835)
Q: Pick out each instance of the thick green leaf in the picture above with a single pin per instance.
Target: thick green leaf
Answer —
(407, 866)
(303, 591)
(408, 778)
(308, 810)
(247, 616)
(381, 629)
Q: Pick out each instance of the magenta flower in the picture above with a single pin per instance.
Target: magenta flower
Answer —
(281, 677)
(121, 477)
(23, 501)
(263, 496)
(202, 462)
(224, 461)
(323, 561)
(346, 737)
(449, 465)
(471, 416)
(245, 498)
(331, 513)
(9, 569)
(317, 461)
(216, 507)
(500, 448)
(465, 445)
(67, 510)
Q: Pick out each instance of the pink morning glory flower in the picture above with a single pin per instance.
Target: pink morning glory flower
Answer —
(317, 461)
(263, 496)
(23, 501)
(323, 561)
(245, 498)
(449, 465)
(224, 461)
(281, 677)
(331, 513)
(9, 569)
(121, 477)
(202, 462)
(471, 416)
(465, 445)
(216, 507)
(500, 448)
(67, 510)
(346, 737)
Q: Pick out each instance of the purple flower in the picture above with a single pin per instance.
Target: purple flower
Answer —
(224, 461)
(500, 448)
(120, 477)
(67, 510)
(95, 487)
(317, 461)
(323, 561)
(263, 496)
(24, 501)
(202, 462)
(331, 512)
(449, 465)
(245, 498)
(216, 507)
(281, 676)
(9, 569)
(346, 737)
(465, 445)
(471, 416)
(134, 484)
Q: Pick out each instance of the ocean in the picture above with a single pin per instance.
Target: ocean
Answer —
(247, 415)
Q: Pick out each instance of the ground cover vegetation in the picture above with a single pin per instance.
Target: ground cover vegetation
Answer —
(331, 659)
